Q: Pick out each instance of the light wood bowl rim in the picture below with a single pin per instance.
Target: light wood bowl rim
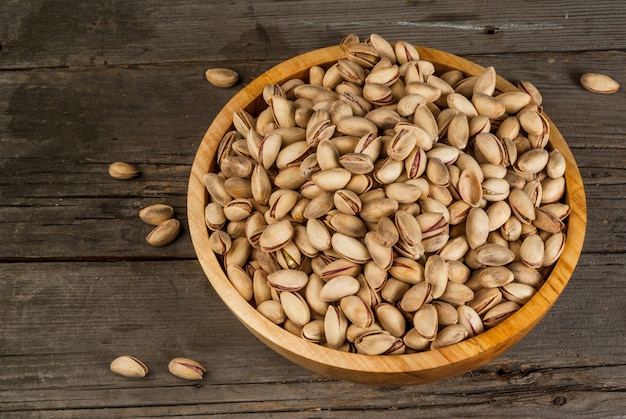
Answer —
(404, 369)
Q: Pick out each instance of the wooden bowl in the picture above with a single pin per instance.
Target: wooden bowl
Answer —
(404, 369)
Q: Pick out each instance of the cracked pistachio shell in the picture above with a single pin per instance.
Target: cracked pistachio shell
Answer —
(470, 187)
(407, 270)
(335, 326)
(276, 236)
(129, 366)
(187, 369)
(469, 318)
(436, 274)
(547, 221)
(449, 335)
(164, 233)
(220, 242)
(406, 52)
(485, 299)
(518, 292)
(357, 163)
(350, 225)
(347, 201)
(426, 322)
(238, 209)
(375, 343)
(313, 331)
(382, 46)
(499, 313)
(527, 87)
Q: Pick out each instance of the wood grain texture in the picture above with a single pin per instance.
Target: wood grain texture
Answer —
(69, 319)
(86, 83)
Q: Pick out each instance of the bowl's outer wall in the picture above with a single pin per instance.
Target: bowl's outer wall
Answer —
(377, 370)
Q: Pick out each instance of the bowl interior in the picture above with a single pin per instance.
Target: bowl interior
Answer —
(377, 370)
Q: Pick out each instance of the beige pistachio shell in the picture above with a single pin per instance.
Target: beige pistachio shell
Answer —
(187, 369)
(221, 77)
(129, 366)
(123, 171)
(599, 83)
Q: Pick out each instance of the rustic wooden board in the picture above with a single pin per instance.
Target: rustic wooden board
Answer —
(68, 320)
(61, 33)
(86, 83)
(149, 115)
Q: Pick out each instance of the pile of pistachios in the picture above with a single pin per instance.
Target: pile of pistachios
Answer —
(383, 207)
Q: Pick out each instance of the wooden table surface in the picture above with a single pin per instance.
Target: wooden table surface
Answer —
(86, 83)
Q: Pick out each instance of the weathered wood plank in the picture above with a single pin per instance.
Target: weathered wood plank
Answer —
(63, 323)
(62, 33)
(86, 83)
(53, 170)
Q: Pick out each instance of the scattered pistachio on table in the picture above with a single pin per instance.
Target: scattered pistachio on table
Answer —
(156, 214)
(187, 369)
(221, 77)
(599, 83)
(164, 233)
(123, 171)
(129, 366)
(167, 228)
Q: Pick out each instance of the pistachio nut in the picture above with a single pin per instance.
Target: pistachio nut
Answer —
(123, 171)
(187, 369)
(129, 366)
(221, 77)
(164, 233)
(599, 83)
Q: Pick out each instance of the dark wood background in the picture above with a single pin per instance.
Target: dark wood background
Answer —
(86, 83)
